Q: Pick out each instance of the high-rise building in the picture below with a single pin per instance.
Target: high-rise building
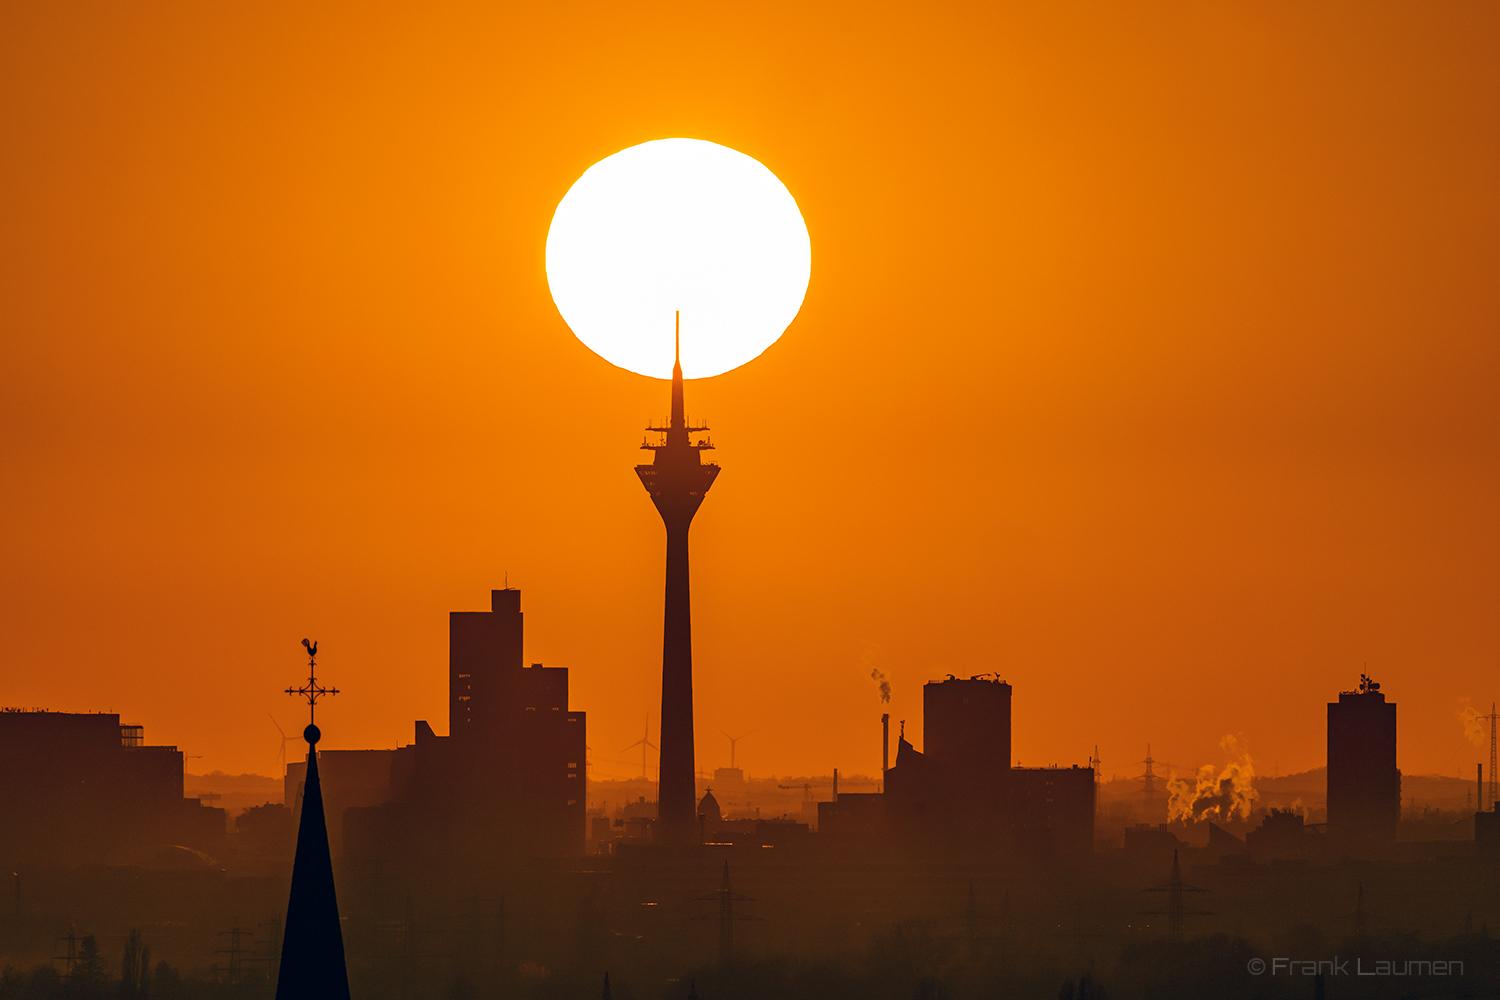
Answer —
(1364, 785)
(509, 778)
(677, 480)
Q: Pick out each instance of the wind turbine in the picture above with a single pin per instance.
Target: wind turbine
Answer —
(644, 743)
(735, 739)
(285, 739)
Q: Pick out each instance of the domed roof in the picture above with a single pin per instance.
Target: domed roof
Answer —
(708, 806)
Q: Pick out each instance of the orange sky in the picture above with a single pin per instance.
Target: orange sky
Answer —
(1149, 359)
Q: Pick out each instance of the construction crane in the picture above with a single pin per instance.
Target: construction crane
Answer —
(808, 786)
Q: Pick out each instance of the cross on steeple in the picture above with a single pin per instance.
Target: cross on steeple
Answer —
(312, 690)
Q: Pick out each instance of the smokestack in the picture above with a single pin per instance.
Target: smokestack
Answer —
(835, 784)
(1479, 798)
(885, 743)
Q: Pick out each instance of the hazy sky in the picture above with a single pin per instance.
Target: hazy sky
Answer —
(1149, 359)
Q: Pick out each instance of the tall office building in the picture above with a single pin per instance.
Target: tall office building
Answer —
(1364, 785)
(519, 749)
(677, 480)
(508, 780)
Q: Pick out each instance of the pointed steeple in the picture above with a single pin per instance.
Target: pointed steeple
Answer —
(312, 946)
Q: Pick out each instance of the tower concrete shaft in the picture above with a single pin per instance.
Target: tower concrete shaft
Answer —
(677, 480)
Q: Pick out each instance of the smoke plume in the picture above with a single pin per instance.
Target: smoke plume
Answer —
(1473, 723)
(867, 658)
(1213, 794)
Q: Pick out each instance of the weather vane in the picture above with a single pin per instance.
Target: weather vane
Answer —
(311, 691)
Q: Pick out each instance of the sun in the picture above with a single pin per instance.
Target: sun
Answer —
(678, 224)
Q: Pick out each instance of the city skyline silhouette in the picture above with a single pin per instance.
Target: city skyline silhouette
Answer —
(1100, 600)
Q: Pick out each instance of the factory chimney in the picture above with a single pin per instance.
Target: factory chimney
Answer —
(885, 742)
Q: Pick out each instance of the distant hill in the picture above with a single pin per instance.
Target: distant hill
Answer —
(1311, 787)
(1436, 791)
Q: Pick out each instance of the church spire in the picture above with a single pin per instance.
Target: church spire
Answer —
(312, 945)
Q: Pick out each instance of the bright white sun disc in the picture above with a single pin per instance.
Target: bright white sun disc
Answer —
(678, 224)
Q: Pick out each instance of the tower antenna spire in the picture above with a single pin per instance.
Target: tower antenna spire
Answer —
(678, 423)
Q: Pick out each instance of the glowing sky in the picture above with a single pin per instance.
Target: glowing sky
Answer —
(1150, 360)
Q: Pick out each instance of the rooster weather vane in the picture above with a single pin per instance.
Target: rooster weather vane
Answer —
(312, 690)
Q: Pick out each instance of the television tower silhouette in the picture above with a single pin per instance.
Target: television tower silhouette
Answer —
(677, 480)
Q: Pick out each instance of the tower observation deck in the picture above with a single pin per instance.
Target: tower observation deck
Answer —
(677, 480)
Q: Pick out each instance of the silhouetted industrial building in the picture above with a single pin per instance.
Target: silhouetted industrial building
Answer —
(962, 795)
(1364, 785)
(1283, 833)
(967, 727)
(84, 788)
(1487, 835)
(1050, 810)
(852, 817)
(508, 781)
